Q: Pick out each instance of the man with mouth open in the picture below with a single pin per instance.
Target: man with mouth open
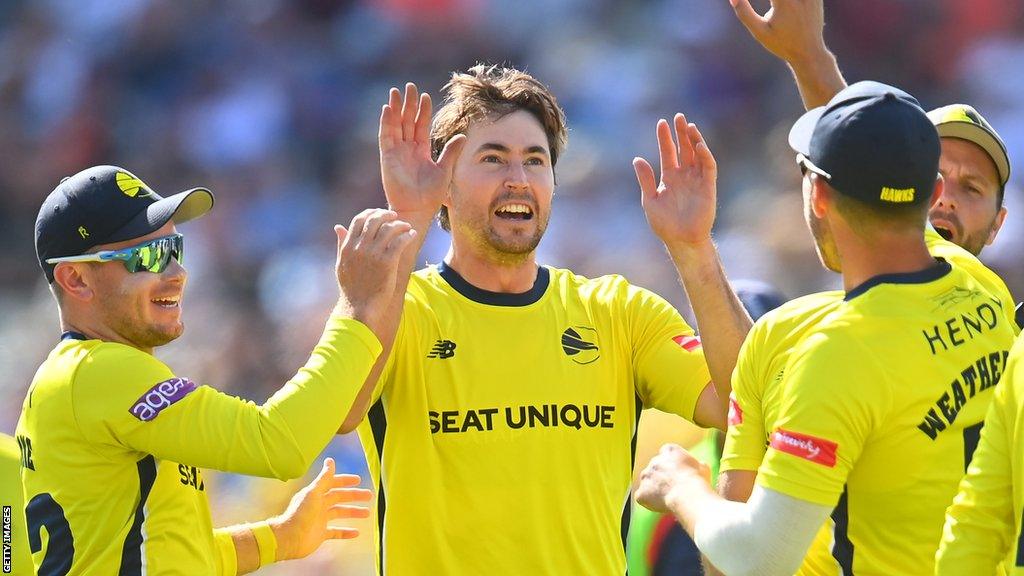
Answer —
(974, 163)
(501, 431)
(112, 441)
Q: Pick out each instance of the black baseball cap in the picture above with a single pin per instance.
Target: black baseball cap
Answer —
(873, 142)
(106, 204)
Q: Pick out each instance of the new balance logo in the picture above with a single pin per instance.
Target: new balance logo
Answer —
(442, 349)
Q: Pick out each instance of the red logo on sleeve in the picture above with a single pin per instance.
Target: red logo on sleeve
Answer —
(817, 450)
(735, 412)
(686, 342)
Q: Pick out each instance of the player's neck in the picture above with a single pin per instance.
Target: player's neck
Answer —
(891, 254)
(95, 331)
(509, 276)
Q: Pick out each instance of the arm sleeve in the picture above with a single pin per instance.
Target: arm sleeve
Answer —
(980, 524)
(767, 536)
(670, 369)
(227, 560)
(745, 444)
(833, 397)
(128, 398)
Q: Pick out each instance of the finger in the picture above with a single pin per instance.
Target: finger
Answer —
(339, 495)
(685, 146)
(341, 533)
(422, 126)
(374, 222)
(409, 105)
(751, 20)
(399, 243)
(342, 234)
(390, 131)
(645, 177)
(389, 230)
(326, 475)
(355, 228)
(666, 148)
(702, 154)
(450, 154)
(345, 481)
(343, 511)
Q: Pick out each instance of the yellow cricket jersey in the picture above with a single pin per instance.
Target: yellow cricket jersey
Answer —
(881, 409)
(983, 526)
(114, 443)
(501, 434)
(15, 541)
(756, 390)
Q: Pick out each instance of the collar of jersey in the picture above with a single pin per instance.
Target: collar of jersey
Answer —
(929, 274)
(72, 335)
(462, 286)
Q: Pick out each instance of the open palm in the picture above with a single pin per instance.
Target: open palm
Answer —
(681, 207)
(413, 181)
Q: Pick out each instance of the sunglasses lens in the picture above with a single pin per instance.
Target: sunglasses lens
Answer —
(154, 256)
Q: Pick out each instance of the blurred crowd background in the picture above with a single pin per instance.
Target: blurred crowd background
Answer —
(273, 105)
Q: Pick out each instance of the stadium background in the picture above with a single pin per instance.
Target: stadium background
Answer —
(273, 104)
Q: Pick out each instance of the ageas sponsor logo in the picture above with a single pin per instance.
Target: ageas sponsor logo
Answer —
(160, 396)
(687, 342)
(817, 450)
(735, 412)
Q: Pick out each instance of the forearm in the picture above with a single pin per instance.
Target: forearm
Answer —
(817, 77)
(767, 536)
(722, 320)
(421, 223)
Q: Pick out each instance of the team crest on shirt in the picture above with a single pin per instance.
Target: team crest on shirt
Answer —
(580, 344)
(160, 396)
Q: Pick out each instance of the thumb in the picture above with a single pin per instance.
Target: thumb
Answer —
(342, 234)
(645, 177)
(748, 16)
(323, 479)
(450, 153)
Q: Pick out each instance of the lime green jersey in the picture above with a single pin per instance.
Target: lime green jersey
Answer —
(501, 433)
(113, 447)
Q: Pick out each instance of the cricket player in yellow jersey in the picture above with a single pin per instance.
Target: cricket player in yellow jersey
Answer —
(880, 449)
(983, 526)
(500, 434)
(757, 391)
(113, 443)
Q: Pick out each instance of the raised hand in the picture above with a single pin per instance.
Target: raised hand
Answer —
(306, 523)
(671, 469)
(413, 181)
(369, 252)
(681, 208)
(791, 29)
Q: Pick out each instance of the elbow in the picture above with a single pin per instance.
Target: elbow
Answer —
(292, 466)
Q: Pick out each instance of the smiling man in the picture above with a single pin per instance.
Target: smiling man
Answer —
(113, 442)
(500, 433)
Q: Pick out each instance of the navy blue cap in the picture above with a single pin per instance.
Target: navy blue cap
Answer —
(106, 204)
(873, 142)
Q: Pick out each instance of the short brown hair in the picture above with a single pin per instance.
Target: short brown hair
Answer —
(491, 91)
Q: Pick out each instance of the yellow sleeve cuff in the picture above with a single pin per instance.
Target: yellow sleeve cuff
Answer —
(227, 561)
(361, 331)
